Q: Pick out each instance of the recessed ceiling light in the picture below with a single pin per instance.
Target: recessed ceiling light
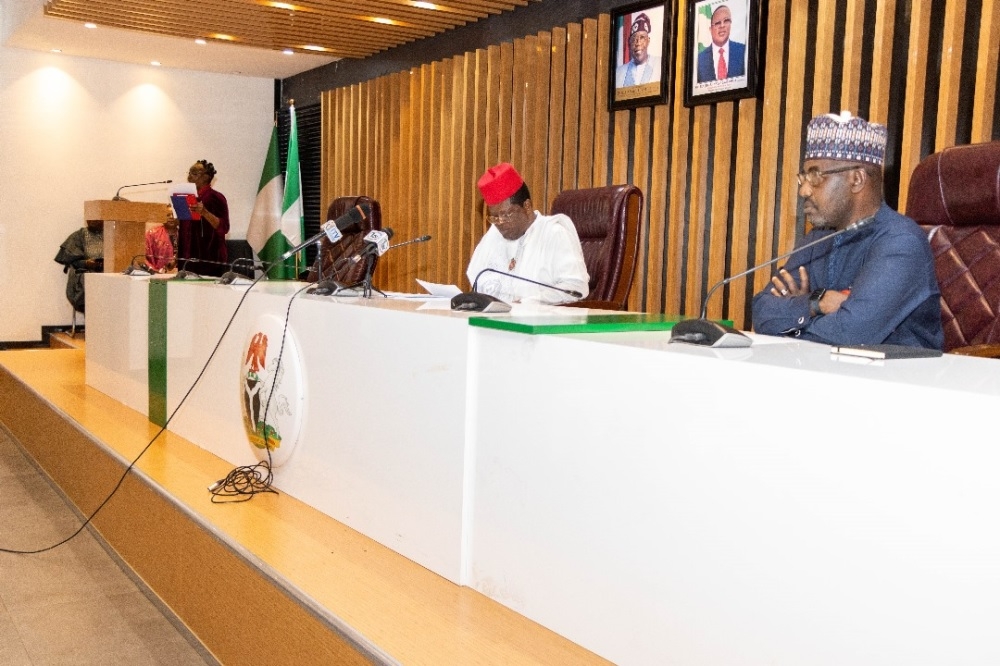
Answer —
(310, 47)
(282, 5)
(57, 50)
(200, 41)
(226, 38)
(425, 5)
(288, 52)
(383, 21)
(90, 25)
(155, 63)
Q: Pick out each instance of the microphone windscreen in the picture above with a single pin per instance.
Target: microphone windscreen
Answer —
(353, 218)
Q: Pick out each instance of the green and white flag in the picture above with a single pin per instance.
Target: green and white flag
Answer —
(276, 221)
(291, 207)
(264, 234)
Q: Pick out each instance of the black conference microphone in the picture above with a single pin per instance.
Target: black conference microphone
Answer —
(184, 274)
(138, 270)
(376, 242)
(474, 301)
(332, 229)
(118, 196)
(708, 333)
(233, 276)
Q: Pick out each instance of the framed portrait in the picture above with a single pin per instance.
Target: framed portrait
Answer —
(724, 50)
(641, 54)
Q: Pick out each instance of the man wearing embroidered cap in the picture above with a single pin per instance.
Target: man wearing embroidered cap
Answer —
(872, 284)
(641, 67)
(523, 242)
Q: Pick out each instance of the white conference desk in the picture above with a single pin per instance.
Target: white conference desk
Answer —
(656, 504)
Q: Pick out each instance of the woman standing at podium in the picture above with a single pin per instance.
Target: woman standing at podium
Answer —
(204, 238)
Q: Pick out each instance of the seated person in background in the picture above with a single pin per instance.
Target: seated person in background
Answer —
(161, 245)
(522, 241)
(82, 252)
(872, 285)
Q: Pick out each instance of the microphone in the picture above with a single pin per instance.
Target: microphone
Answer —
(713, 334)
(332, 229)
(118, 196)
(232, 276)
(478, 302)
(376, 242)
(184, 274)
(141, 270)
(421, 239)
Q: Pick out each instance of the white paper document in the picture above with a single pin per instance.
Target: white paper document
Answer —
(439, 290)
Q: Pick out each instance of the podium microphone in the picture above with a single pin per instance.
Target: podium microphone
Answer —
(474, 301)
(332, 229)
(713, 334)
(118, 194)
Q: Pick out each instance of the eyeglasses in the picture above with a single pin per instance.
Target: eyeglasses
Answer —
(503, 218)
(815, 177)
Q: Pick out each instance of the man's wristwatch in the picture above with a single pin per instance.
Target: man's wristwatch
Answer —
(814, 299)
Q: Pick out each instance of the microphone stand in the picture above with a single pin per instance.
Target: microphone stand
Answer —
(701, 331)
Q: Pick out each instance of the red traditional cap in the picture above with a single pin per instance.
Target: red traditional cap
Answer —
(499, 183)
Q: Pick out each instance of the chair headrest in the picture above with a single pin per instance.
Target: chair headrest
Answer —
(959, 186)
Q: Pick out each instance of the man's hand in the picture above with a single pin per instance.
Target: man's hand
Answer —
(831, 301)
(785, 286)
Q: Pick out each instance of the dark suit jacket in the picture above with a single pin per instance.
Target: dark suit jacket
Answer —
(736, 66)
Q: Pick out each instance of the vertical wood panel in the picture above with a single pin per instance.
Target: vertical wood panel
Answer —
(655, 204)
(602, 118)
(985, 106)
(557, 125)
(697, 210)
(822, 61)
(718, 221)
(640, 176)
(571, 139)
(589, 68)
(742, 197)
(771, 123)
(539, 129)
(916, 76)
(951, 74)
(853, 42)
(882, 71)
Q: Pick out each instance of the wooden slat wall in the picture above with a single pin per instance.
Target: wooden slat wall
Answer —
(718, 179)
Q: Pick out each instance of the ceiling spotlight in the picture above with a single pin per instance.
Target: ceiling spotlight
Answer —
(57, 50)
(288, 52)
(225, 38)
(310, 47)
(155, 63)
(383, 21)
(425, 5)
(200, 41)
(90, 25)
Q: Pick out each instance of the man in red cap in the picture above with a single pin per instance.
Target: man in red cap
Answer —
(523, 242)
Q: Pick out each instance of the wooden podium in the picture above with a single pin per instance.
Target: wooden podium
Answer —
(124, 228)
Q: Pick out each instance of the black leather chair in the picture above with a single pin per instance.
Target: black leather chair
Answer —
(607, 220)
(332, 261)
(955, 196)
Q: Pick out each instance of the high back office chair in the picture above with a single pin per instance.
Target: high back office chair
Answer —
(332, 261)
(955, 196)
(607, 220)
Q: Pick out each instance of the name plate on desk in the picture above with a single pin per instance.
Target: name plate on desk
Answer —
(578, 323)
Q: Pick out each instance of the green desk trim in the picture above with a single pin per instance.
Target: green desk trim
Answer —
(582, 323)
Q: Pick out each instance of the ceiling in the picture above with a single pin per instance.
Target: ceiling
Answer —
(264, 38)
